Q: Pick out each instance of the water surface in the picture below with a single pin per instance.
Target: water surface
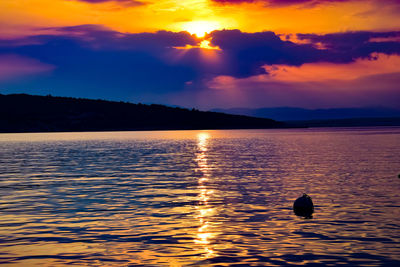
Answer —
(198, 198)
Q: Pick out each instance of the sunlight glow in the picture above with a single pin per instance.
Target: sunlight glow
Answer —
(201, 28)
(205, 44)
(202, 140)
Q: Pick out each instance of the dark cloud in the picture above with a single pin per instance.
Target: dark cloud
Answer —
(352, 45)
(122, 2)
(243, 54)
(90, 61)
(99, 37)
(248, 52)
(347, 39)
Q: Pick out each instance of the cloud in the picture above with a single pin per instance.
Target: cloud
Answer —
(241, 54)
(280, 2)
(249, 52)
(313, 72)
(345, 40)
(121, 2)
(350, 46)
(100, 37)
(392, 5)
(14, 66)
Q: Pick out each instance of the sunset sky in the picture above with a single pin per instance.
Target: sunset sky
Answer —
(205, 53)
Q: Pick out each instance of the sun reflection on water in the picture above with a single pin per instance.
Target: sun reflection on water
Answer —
(205, 211)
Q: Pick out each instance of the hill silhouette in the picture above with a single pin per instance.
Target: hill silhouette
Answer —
(30, 113)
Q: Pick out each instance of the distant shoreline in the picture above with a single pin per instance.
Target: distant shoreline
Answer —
(22, 113)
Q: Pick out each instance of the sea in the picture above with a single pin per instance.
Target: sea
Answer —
(200, 198)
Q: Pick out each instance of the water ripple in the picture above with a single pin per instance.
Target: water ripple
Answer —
(195, 198)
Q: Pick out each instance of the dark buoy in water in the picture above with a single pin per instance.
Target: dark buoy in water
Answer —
(303, 206)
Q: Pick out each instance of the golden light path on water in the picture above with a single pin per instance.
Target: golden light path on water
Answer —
(205, 211)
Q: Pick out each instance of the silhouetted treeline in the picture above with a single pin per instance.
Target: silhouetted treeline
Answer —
(28, 113)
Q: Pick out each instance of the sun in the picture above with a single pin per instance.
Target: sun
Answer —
(201, 27)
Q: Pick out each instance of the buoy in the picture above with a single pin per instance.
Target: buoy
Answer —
(303, 206)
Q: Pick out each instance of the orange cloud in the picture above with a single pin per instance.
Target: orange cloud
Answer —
(19, 17)
(379, 64)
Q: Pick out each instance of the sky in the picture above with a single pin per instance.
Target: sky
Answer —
(205, 53)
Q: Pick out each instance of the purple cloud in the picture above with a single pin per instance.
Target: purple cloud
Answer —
(353, 45)
(347, 39)
(280, 2)
(15, 66)
(100, 37)
(243, 54)
(122, 2)
(249, 52)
